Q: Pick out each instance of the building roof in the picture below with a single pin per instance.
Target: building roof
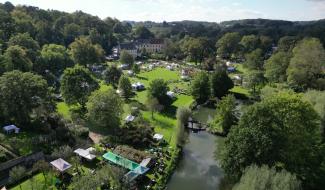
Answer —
(150, 41)
(85, 153)
(61, 164)
(128, 46)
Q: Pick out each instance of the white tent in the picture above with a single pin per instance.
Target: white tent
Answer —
(158, 137)
(171, 94)
(85, 153)
(129, 118)
(60, 164)
(11, 128)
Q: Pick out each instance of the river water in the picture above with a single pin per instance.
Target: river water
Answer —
(198, 169)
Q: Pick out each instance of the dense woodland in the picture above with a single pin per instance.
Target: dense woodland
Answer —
(279, 135)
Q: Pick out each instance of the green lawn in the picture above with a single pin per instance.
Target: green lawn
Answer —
(240, 90)
(63, 109)
(37, 181)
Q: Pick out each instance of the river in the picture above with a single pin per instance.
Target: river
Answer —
(198, 169)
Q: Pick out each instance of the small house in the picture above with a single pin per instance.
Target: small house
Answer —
(60, 165)
(10, 129)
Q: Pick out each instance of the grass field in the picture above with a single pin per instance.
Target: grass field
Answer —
(37, 182)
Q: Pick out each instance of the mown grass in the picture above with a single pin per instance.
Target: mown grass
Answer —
(37, 180)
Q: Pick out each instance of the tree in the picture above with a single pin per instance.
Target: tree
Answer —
(153, 105)
(126, 58)
(25, 41)
(85, 53)
(182, 115)
(209, 63)
(220, 83)
(196, 48)
(16, 59)
(20, 94)
(112, 75)
(228, 45)
(16, 174)
(125, 87)
(255, 80)
(200, 87)
(141, 32)
(226, 115)
(64, 152)
(77, 84)
(306, 65)
(172, 50)
(276, 67)
(158, 88)
(287, 43)
(43, 167)
(105, 109)
(281, 131)
(249, 43)
(71, 32)
(254, 60)
(54, 58)
(256, 178)
(136, 68)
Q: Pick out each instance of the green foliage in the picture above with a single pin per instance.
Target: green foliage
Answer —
(16, 59)
(227, 45)
(258, 178)
(65, 152)
(276, 67)
(77, 84)
(281, 131)
(136, 135)
(126, 58)
(220, 83)
(182, 115)
(105, 109)
(158, 89)
(54, 58)
(142, 32)
(225, 117)
(255, 80)
(25, 41)
(287, 43)
(200, 87)
(153, 105)
(136, 68)
(306, 64)
(85, 53)
(17, 173)
(20, 94)
(254, 60)
(112, 75)
(125, 87)
(249, 43)
(196, 48)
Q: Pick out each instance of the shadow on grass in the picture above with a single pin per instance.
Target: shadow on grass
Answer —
(141, 78)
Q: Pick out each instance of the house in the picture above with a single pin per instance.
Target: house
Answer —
(60, 165)
(136, 47)
(85, 153)
(11, 128)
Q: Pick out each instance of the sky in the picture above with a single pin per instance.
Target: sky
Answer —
(198, 10)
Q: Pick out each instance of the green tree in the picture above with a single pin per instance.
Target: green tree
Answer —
(281, 131)
(226, 115)
(249, 43)
(142, 32)
(255, 80)
(85, 53)
(276, 67)
(105, 109)
(220, 83)
(16, 174)
(228, 45)
(254, 60)
(200, 87)
(125, 87)
(287, 43)
(257, 178)
(77, 84)
(20, 94)
(306, 64)
(16, 59)
(112, 75)
(196, 48)
(54, 58)
(25, 41)
(43, 167)
(158, 88)
(136, 68)
(71, 32)
(153, 105)
(126, 58)
(182, 115)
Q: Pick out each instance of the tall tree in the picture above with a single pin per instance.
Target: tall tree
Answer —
(158, 88)
(85, 53)
(256, 178)
(20, 94)
(105, 109)
(220, 83)
(125, 87)
(249, 43)
(254, 60)
(16, 174)
(126, 58)
(112, 75)
(77, 84)
(16, 59)
(276, 67)
(197, 48)
(25, 41)
(227, 45)
(182, 115)
(142, 32)
(281, 131)
(200, 87)
(306, 65)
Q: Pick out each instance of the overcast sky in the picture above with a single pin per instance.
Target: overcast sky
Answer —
(199, 10)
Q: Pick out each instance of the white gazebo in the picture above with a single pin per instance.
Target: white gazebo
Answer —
(11, 128)
(60, 165)
(85, 153)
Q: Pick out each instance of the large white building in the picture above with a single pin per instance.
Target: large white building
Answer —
(135, 48)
